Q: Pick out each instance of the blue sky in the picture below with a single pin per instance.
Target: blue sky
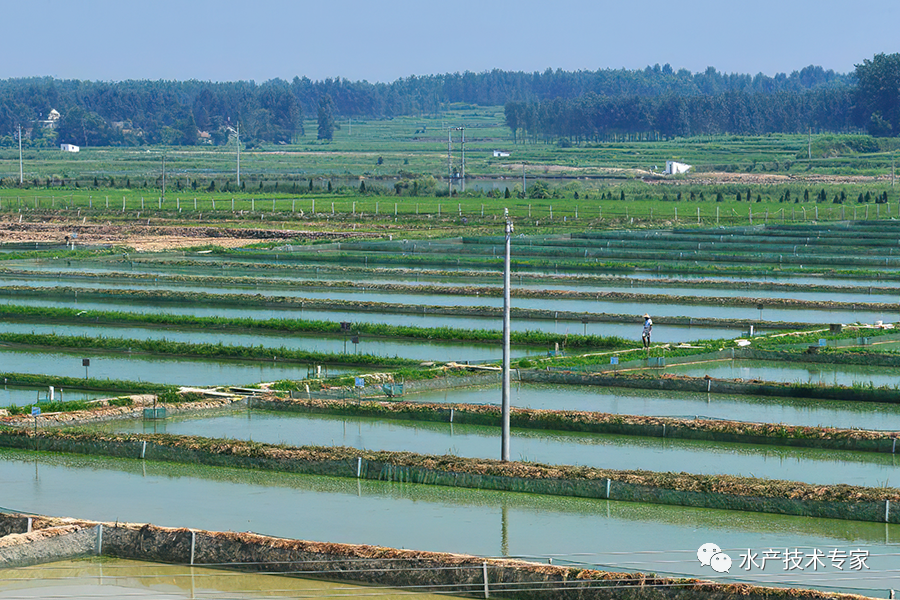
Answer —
(382, 40)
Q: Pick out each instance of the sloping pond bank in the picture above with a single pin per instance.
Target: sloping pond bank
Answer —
(681, 489)
(606, 423)
(37, 539)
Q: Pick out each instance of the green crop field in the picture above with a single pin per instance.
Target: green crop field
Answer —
(419, 146)
(391, 173)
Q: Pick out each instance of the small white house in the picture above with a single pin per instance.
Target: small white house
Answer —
(500, 154)
(675, 168)
(69, 148)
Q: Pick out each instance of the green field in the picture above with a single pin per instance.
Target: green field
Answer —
(418, 146)
(381, 175)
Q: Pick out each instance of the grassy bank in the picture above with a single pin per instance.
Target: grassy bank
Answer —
(206, 351)
(601, 423)
(32, 314)
(685, 489)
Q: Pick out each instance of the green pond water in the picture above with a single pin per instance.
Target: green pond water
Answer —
(313, 271)
(105, 577)
(611, 535)
(22, 396)
(685, 405)
(674, 308)
(273, 287)
(819, 373)
(436, 351)
(667, 334)
(546, 447)
(145, 368)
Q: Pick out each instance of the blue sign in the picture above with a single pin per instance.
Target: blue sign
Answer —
(35, 411)
(823, 342)
(360, 382)
(614, 360)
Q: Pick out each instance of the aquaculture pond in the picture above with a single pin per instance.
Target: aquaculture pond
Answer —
(580, 531)
(274, 284)
(662, 333)
(680, 307)
(791, 372)
(235, 266)
(683, 405)
(172, 371)
(546, 447)
(105, 577)
(22, 396)
(414, 349)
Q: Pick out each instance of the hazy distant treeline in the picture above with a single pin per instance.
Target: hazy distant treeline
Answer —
(598, 118)
(184, 112)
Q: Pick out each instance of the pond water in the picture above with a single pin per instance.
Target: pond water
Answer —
(22, 396)
(662, 334)
(275, 286)
(684, 405)
(105, 577)
(816, 373)
(412, 349)
(546, 447)
(682, 307)
(581, 531)
(171, 371)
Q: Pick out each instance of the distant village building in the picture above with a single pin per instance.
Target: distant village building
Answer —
(50, 122)
(500, 153)
(675, 168)
(69, 148)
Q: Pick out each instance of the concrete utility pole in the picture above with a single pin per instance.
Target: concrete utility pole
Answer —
(463, 161)
(504, 444)
(21, 172)
(449, 162)
(239, 155)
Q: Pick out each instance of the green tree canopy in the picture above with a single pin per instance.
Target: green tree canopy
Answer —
(878, 94)
(326, 118)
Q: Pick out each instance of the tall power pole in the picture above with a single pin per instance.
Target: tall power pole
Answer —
(239, 155)
(524, 191)
(449, 162)
(463, 161)
(21, 172)
(504, 407)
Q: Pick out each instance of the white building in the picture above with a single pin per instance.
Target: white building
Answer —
(675, 168)
(69, 148)
(500, 154)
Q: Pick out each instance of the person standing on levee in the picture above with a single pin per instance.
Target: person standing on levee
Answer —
(648, 326)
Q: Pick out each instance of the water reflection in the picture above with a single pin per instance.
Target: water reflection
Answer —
(621, 535)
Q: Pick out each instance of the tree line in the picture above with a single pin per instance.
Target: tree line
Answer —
(600, 118)
(871, 103)
(571, 104)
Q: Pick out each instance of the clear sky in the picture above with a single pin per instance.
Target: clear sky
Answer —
(383, 40)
